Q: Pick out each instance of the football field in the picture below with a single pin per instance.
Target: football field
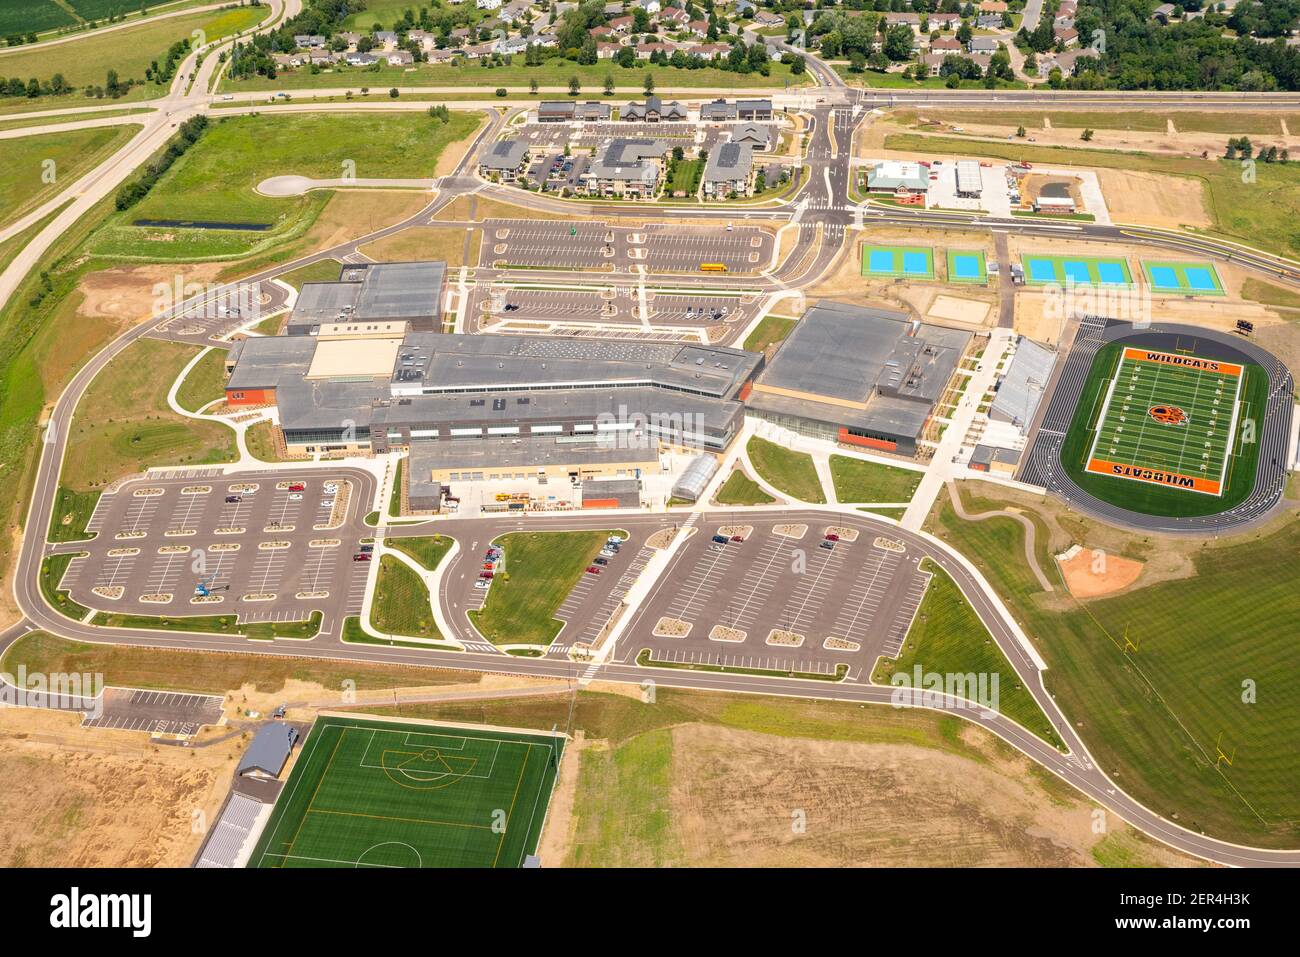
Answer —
(370, 793)
(1168, 419)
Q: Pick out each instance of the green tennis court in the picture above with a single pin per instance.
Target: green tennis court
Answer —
(1076, 270)
(898, 262)
(968, 266)
(1184, 278)
(369, 793)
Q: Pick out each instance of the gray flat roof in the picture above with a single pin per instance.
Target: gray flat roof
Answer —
(319, 302)
(627, 159)
(401, 290)
(445, 361)
(730, 161)
(530, 452)
(1023, 386)
(504, 155)
(327, 404)
(265, 361)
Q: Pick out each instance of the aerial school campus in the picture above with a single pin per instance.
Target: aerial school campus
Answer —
(425, 456)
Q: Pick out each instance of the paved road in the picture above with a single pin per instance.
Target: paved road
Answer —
(822, 216)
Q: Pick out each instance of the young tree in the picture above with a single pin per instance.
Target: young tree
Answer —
(1086, 136)
(574, 86)
(532, 85)
(609, 84)
(649, 85)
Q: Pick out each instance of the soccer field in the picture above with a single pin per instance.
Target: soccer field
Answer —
(380, 794)
(1168, 419)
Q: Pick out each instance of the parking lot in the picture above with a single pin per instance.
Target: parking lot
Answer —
(613, 305)
(596, 246)
(780, 600)
(267, 546)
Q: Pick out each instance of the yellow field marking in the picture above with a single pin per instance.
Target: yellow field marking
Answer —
(431, 785)
(400, 820)
(511, 813)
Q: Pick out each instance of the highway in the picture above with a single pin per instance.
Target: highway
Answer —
(823, 215)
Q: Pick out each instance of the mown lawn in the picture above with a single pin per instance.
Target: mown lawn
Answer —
(124, 425)
(401, 604)
(72, 510)
(740, 489)
(206, 382)
(428, 550)
(539, 571)
(857, 480)
(948, 638)
(790, 472)
(1210, 664)
(770, 331)
(36, 168)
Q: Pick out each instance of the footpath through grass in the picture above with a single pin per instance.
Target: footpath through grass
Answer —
(539, 571)
(790, 472)
(740, 489)
(401, 604)
(857, 480)
(1156, 706)
(205, 383)
(124, 425)
(948, 639)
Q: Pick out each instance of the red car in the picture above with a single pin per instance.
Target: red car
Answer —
(361, 557)
(593, 570)
(486, 576)
(297, 487)
(489, 566)
(737, 538)
(832, 537)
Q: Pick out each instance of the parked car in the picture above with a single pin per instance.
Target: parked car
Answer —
(827, 545)
(327, 503)
(593, 570)
(486, 576)
(607, 553)
(832, 537)
(600, 561)
(297, 487)
(721, 539)
(361, 557)
(737, 538)
(367, 549)
(331, 486)
(295, 496)
(482, 584)
(234, 498)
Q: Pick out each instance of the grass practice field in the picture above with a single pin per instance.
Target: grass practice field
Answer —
(898, 262)
(968, 266)
(1079, 270)
(1187, 279)
(378, 794)
(1161, 432)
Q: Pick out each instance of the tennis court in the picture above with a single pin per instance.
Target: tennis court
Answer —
(1184, 278)
(1077, 270)
(898, 262)
(1168, 419)
(369, 793)
(967, 266)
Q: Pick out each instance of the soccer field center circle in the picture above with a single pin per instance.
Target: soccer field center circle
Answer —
(1167, 424)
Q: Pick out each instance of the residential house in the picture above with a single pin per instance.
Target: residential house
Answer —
(946, 45)
(699, 27)
(766, 18)
(607, 51)
(620, 24)
(1067, 36)
(629, 168)
(386, 39)
(645, 51)
(989, 21)
(308, 41)
(399, 58)
(993, 6)
(944, 21)
(650, 6)
(361, 59)
(674, 17)
(508, 46)
(983, 45)
(730, 169)
(488, 4)
(515, 11)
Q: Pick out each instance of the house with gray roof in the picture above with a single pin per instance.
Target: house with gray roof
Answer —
(654, 110)
(631, 168)
(730, 169)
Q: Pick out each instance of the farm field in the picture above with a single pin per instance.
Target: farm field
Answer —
(379, 794)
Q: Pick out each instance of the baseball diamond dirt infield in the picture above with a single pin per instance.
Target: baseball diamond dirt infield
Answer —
(367, 793)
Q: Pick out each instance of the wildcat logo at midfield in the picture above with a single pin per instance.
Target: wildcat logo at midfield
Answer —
(1168, 414)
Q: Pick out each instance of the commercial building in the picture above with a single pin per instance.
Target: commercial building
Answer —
(1055, 199)
(506, 160)
(566, 111)
(721, 111)
(653, 110)
(969, 181)
(868, 377)
(905, 182)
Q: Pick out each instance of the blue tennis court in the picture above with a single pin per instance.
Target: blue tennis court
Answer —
(1201, 279)
(967, 266)
(1077, 270)
(916, 264)
(1041, 270)
(898, 262)
(1112, 274)
(881, 260)
(1183, 278)
(1163, 277)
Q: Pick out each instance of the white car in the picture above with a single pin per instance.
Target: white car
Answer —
(607, 553)
(328, 503)
(331, 486)
(482, 583)
(295, 496)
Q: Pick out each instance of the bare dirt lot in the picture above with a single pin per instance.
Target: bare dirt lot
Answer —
(1152, 199)
(126, 294)
(746, 799)
(79, 797)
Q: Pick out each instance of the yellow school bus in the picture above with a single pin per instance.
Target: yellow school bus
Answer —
(713, 267)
